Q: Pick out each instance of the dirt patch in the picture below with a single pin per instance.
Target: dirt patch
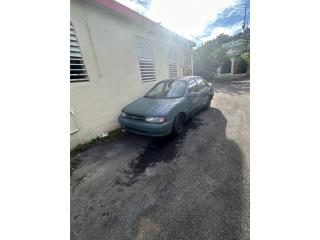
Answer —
(147, 229)
(113, 135)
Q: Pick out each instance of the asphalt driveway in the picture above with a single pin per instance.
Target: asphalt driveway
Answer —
(195, 186)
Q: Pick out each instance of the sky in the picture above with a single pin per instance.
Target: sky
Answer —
(197, 20)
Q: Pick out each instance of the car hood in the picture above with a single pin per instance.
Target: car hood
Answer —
(151, 107)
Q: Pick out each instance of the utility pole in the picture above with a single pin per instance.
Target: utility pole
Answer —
(244, 16)
(244, 26)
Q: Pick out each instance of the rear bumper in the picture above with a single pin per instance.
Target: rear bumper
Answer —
(145, 128)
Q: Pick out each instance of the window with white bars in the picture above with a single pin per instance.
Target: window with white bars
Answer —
(78, 70)
(172, 62)
(145, 57)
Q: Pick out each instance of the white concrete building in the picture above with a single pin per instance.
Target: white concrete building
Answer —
(232, 48)
(116, 55)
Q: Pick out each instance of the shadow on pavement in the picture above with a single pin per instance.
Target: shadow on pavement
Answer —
(195, 190)
(207, 201)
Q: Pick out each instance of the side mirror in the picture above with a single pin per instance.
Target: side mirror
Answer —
(192, 94)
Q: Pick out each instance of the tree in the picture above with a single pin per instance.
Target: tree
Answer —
(219, 55)
(246, 59)
(211, 55)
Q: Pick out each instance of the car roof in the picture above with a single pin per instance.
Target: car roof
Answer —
(184, 78)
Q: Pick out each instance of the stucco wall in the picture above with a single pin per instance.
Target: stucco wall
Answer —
(107, 43)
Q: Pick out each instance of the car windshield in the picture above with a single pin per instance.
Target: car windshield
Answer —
(168, 89)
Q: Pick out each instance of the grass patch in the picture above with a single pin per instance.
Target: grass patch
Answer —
(74, 164)
(113, 135)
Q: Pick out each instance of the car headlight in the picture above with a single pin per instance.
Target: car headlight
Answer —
(123, 114)
(156, 119)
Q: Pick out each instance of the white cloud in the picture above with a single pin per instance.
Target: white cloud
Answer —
(230, 30)
(181, 16)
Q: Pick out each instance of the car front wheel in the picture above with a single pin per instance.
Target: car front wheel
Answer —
(208, 104)
(178, 125)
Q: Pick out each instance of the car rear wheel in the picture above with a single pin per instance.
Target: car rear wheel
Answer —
(178, 125)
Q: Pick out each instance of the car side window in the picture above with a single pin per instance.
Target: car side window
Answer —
(202, 84)
(193, 86)
(205, 82)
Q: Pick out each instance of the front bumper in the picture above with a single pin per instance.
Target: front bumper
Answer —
(145, 128)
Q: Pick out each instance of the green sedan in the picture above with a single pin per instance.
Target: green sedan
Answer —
(164, 109)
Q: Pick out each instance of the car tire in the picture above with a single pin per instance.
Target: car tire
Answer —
(178, 125)
(208, 104)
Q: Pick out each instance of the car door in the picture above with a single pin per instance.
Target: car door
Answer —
(193, 96)
(203, 92)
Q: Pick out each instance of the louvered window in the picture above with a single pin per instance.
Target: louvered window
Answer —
(145, 57)
(172, 62)
(78, 70)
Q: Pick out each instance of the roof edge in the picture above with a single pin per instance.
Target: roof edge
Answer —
(126, 11)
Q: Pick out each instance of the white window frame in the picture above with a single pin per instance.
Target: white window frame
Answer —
(145, 59)
(77, 64)
(172, 62)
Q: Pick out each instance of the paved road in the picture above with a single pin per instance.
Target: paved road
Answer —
(195, 186)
